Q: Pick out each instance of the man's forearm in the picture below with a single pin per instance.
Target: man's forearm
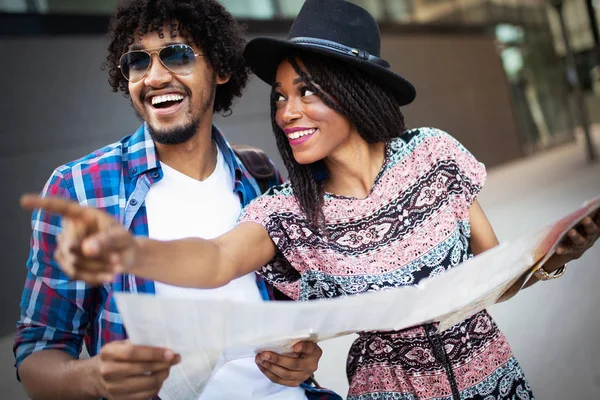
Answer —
(55, 375)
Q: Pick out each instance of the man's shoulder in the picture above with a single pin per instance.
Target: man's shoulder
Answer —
(99, 174)
(109, 157)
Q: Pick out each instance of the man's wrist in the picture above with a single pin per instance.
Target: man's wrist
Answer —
(89, 377)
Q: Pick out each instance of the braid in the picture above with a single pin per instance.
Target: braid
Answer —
(307, 190)
(372, 109)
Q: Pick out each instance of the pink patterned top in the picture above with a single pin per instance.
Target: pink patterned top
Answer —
(414, 224)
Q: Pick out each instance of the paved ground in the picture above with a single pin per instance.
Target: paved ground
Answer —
(553, 327)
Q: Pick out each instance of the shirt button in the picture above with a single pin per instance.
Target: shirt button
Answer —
(155, 174)
(133, 171)
(133, 202)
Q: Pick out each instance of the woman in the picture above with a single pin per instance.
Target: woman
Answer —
(368, 206)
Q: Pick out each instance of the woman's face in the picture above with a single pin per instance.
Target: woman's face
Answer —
(314, 130)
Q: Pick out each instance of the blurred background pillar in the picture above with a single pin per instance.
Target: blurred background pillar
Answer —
(594, 28)
(573, 79)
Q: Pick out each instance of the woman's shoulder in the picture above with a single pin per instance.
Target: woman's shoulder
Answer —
(424, 139)
(282, 190)
(275, 201)
(278, 198)
(431, 147)
(421, 134)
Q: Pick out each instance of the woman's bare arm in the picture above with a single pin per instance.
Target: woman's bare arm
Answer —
(203, 263)
(93, 247)
(482, 234)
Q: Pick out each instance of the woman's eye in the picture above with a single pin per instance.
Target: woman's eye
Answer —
(278, 97)
(306, 92)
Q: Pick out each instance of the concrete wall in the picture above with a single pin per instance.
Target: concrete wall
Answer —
(461, 88)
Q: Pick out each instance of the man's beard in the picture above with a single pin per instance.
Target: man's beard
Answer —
(176, 135)
(181, 133)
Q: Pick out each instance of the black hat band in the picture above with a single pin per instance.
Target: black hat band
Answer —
(340, 48)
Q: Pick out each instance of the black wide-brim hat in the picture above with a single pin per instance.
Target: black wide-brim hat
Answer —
(333, 28)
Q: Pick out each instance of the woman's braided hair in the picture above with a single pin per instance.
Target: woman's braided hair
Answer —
(204, 23)
(369, 106)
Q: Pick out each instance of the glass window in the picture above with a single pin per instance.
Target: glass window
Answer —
(252, 9)
(87, 7)
(290, 8)
(21, 6)
(578, 27)
(399, 10)
(374, 7)
(439, 10)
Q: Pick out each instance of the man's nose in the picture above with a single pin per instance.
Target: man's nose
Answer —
(157, 74)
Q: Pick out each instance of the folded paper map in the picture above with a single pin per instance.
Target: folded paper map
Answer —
(208, 333)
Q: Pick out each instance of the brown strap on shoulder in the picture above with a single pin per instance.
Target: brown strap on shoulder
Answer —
(256, 162)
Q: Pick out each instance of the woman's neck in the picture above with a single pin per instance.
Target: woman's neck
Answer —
(353, 167)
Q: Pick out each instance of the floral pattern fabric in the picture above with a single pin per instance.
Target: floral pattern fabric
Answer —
(414, 224)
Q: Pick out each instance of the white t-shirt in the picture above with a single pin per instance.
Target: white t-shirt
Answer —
(177, 207)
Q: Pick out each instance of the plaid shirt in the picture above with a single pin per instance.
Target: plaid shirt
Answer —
(58, 313)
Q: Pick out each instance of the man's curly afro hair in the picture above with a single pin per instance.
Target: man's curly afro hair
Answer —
(204, 23)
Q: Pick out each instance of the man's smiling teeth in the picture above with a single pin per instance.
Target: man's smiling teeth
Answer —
(299, 134)
(167, 97)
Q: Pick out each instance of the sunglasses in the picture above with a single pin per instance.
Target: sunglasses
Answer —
(180, 59)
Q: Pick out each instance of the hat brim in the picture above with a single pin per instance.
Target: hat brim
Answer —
(263, 56)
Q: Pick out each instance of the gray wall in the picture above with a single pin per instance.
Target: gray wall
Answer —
(58, 106)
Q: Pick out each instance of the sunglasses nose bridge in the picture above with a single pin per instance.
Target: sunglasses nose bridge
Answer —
(151, 59)
(151, 64)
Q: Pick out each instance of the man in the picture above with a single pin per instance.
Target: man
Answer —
(176, 176)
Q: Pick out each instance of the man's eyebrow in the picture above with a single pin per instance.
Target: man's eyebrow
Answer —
(136, 47)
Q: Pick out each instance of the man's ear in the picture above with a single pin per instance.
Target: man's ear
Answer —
(223, 78)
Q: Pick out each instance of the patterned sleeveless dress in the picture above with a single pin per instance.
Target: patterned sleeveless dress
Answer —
(414, 224)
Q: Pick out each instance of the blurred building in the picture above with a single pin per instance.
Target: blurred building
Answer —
(525, 32)
(490, 72)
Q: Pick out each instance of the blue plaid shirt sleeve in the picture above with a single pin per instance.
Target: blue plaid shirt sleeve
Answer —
(54, 309)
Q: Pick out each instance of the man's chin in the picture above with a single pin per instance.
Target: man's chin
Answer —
(174, 134)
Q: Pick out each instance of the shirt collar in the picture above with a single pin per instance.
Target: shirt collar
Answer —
(230, 159)
(141, 152)
(143, 157)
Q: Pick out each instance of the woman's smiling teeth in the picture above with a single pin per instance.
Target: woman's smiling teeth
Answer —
(159, 101)
(299, 134)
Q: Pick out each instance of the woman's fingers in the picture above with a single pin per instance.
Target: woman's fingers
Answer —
(578, 240)
(55, 205)
(113, 240)
(90, 244)
(590, 228)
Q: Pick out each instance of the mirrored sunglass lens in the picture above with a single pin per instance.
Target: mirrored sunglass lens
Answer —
(134, 65)
(178, 58)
